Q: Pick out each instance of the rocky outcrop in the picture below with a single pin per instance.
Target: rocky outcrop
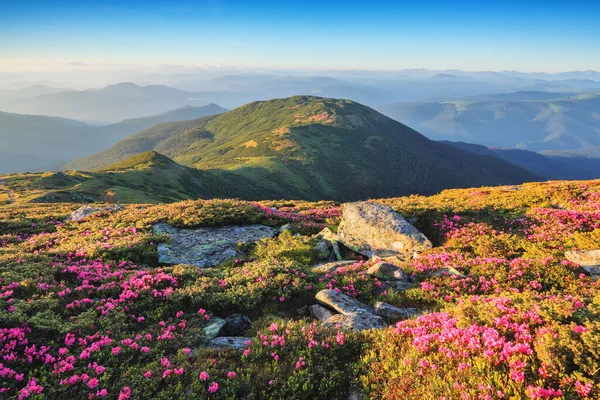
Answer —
(387, 272)
(207, 247)
(329, 267)
(394, 313)
(589, 260)
(376, 230)
(85, 211)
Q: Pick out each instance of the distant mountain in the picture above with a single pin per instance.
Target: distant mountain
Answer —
(39, 143)
(313, 148)
(112, 103)
(31, 91)
(569, 166)
(569, 123)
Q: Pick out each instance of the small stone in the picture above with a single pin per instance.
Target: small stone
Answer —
(235, 325)
(336, 250)
(213, 329)
(394, 313)
(396, 285)
(327, 234)
(320, 312)
(447, 271)
(387, 272)
(285, 228)
(231, 342)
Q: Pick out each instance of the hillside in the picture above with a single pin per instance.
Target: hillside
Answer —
(40, 143)
(558, 124)
(571, 165)
(90, 309)
(144, 178)
(313, 148)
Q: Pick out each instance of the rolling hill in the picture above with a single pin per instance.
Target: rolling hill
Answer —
(313, 148)
(40, 143)
(559, 124)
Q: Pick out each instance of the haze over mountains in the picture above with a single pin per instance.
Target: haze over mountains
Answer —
(556, 115)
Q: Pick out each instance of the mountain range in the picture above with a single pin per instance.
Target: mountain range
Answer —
(37, 143)
(308, 147)
(528, 120)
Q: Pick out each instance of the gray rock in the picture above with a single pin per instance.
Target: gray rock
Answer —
(323, 250)
(327, 234)
(589, 260)
(447, 271)
(358, 322)
(213, 329)
(355, 394)
(342, 303)
(207, 247)
(377, 230)
(329, 267)
(320, 312)
(235, 325)
(231, 342)
(336, 250)
(285, 228)
(396, 285)
(387, 272)
(85, 211)
(394, 313)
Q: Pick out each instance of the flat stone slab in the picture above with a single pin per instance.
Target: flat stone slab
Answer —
(84, 211)
(394, 313)
(207, 247)
(342, 303)
(230, 342)
(356, 322)
(329, 267)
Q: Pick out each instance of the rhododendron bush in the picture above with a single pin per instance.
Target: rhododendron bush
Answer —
(86, 311)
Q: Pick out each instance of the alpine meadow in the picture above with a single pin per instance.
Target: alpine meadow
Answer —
(269, 200)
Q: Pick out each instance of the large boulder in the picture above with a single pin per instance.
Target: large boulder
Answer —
(588, 259)
(84, 211)
(376, 230)
(207, 247)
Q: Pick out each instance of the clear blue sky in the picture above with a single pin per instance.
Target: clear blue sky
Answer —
(524, 35)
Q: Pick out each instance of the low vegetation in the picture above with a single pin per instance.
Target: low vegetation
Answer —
(87, 312)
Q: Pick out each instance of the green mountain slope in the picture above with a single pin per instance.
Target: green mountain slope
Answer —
(313, 148)
(37, 143)
(556, 124)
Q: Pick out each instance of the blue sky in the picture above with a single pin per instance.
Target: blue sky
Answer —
(549, 36)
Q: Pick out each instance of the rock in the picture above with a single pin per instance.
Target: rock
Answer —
(447, 271)
(327, 234)
(231, 342)
(588, 259)
(387, 272)
(355, 394)
(235, 325)
(342, 303)
(357, 322)
(377, 230)
(323, 250)
(207, 247)
(285, 228)
(396, 285)
(394, 313)
(320, 312)
(84, 211)
(329, 267)
(336, 250)
(213, 329)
